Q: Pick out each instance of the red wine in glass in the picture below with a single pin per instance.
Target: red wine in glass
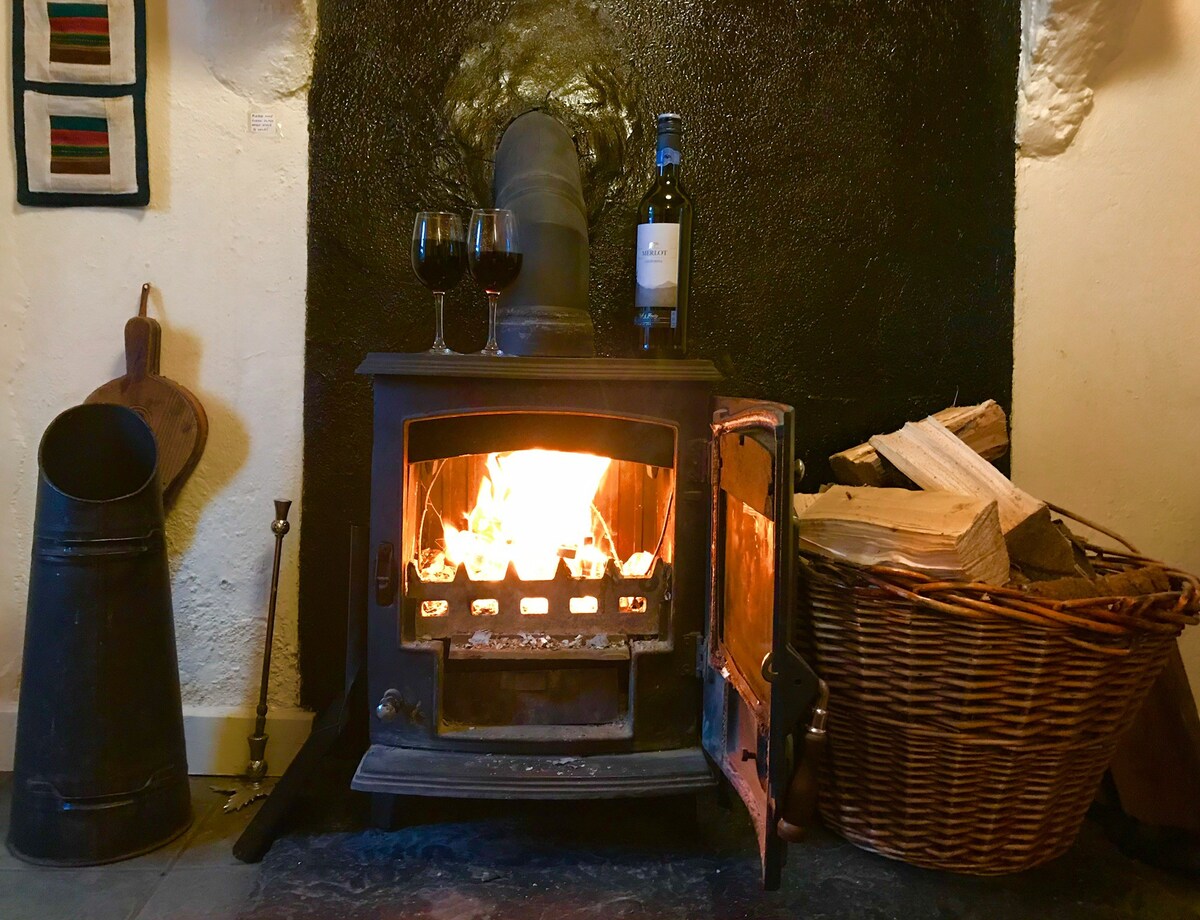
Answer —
(494, 257)
(438, 257)
(494, 271)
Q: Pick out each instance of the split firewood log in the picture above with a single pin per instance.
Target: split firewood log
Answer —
(983, 428)
(941, 534)
(933, 458)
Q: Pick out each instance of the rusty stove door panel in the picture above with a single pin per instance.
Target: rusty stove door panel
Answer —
(757, 688)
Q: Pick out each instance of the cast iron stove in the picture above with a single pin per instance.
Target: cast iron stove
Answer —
(582, 585)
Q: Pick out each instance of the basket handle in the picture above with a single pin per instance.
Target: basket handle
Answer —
(1079, 519)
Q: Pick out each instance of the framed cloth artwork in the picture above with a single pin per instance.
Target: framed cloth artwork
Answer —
(79, 103)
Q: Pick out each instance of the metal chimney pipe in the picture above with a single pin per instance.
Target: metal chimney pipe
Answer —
(545, 312)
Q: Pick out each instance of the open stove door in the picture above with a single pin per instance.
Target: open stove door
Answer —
(758, 692)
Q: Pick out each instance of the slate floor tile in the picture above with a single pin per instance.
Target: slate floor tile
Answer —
(206, 893)
(75, 894)
(211, 844)
(526, 861)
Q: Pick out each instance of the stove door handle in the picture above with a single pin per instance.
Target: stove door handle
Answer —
(385, 575)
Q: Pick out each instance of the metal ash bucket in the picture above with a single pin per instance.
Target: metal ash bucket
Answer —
(100, 772)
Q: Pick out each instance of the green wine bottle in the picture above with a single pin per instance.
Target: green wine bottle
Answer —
(664, 252)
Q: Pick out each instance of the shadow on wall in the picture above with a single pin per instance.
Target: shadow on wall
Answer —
(228, 444)
(227, 450)
(1151, 44)
(158, 103)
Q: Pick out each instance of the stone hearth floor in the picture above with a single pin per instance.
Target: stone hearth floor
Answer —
(555, 861)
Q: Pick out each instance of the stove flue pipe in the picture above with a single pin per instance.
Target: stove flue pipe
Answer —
(545, 312)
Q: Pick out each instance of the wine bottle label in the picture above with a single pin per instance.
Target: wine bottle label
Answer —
(657, 267)
(651, 318)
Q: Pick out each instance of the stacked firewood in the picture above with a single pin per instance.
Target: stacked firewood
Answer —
(928, 498)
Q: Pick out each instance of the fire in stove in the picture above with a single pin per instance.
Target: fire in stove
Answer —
(533, 508)
(540, 542)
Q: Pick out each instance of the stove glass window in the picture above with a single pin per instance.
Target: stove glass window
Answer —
(538, 548)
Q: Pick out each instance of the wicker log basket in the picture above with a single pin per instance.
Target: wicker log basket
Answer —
(969, 725)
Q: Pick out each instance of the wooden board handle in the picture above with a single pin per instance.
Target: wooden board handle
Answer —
(143, 341)
(143, 346)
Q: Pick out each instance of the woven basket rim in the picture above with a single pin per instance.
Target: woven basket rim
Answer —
(1107, 625)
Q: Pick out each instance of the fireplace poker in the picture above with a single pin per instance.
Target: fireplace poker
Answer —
(253, 784)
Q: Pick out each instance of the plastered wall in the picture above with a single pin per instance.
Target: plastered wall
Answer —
(1106, 379)
(223, 243)
(1106, 383)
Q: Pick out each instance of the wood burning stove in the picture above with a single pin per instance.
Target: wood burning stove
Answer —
(582, 585)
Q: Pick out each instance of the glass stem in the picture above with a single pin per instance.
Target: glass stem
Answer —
(439, 301)
(492, 347)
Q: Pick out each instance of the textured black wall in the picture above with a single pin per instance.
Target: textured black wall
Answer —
(852, 165)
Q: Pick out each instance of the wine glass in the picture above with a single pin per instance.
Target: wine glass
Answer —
(494, 256)
(438, 257)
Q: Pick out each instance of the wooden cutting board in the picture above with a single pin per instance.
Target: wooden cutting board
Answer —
(173, 413)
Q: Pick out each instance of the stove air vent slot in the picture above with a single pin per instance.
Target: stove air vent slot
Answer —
(564, 606)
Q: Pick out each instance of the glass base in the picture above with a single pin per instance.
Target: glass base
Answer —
(493, 351)
(441, 350)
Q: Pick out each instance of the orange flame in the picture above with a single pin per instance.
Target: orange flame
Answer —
(533, 508)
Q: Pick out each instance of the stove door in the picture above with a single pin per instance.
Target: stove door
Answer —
(758, 691)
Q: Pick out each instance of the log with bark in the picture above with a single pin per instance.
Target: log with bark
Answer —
(983, 428)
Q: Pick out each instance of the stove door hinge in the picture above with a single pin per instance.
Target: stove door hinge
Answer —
(385, 575)
(696, 460)
(693, 654)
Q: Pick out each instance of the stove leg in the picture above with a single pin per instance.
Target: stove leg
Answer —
(724, 792)
(682, 810)
(384, 811)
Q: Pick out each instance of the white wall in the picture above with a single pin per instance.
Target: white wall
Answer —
(1106, 381)
(1106, 389)
(223, 242)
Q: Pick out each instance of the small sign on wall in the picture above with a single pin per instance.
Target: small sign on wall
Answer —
(262, 123)
(79, 114)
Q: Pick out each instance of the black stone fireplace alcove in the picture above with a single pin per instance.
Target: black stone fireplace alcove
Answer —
(853, 171)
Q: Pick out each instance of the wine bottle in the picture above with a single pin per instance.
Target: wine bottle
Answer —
(664, 252)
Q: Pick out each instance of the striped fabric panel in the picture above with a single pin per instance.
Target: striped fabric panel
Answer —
(79, 145)
(79, 33)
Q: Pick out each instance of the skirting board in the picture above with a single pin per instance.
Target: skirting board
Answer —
(215, 737)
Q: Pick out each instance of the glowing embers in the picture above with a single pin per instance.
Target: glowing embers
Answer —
(631, 604)
(534, 606)
(586, 604)
(435, 608)
(485, 607)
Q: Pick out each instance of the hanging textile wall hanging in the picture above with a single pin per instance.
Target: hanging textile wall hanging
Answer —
(79, 103)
